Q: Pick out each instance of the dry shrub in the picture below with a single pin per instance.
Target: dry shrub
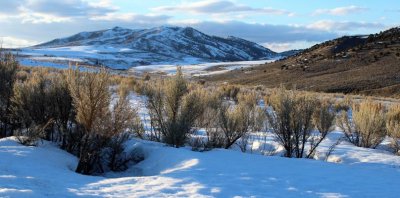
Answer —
(323, 120)
(173, 109)
(257, 114)
(233, 123)
(229, 122)
(62, 110)
(209, 120)
(123, 119)
(22, 75)
(230, 91)
(116, 79)
(32, 107)
(291, 120)
(31, 135)
(155, 106)
(130, 84)
(236, 121)
(42, 107)
(146, 76)
(101, 128)
(91, 99)
(393, 126)
(343, 105)
(8, 70)
(366, 128)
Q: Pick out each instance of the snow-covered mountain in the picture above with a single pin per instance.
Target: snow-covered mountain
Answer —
(124, 48)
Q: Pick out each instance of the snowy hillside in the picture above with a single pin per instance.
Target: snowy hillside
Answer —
(124, 48)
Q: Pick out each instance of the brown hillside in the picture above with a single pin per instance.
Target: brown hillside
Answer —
(353, 64)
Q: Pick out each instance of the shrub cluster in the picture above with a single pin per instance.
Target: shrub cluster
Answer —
(173, 109)
(178, 108)
(73, 108)
(293, 118)
(87, 116)
(8, 71)
(365, 125)
(393, 127)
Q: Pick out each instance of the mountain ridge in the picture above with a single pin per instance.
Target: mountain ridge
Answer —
(159, 45)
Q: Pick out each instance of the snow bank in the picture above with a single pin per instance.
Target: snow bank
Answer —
(47, 171)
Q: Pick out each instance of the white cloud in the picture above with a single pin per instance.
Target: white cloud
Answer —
(52, 11)
(328, 25)
(285, 46)
(341, 10)
(185, 22)
(27, 16)
(12, 42)
(69, 8)
(10, 7)
(128, 17)
(219, 6)
(263, 33)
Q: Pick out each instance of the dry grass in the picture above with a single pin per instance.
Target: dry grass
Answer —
(366, 128)
(369, 70)
(291, 120)
(393, 126)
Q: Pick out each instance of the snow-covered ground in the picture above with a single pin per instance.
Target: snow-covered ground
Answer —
(199, 69)
(119, 58)
(62, 57)
(47, 171)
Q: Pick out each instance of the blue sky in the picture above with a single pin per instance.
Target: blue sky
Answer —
(277, 24)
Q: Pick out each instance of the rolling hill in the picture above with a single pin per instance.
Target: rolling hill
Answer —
(363, 64)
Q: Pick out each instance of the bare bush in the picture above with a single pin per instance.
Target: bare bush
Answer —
(236, 121)
(123, 121)
(209, 120)
(230, 91)
(256, 114)
(233, 123)
(42, 107)
(173, 109)
(332, 148)
(103, 130)
(155, 106)
(323, 120)
(393, 127)
(91, 99)
(8, 70)
(291, 120)
(113, 154)
(366, 127)
(31, 107)
(62, 110)
(31, 135)
(343, 105)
